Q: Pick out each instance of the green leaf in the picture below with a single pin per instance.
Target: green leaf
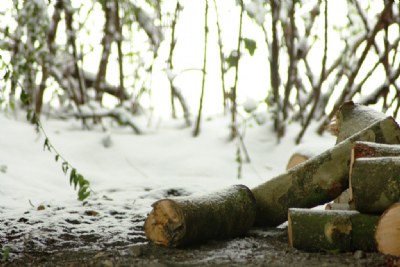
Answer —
(64, 167)
(57, 157)
(24, 97)
(233, 59)
(46, 144)
(83, 194)
(72, 176)
(7, 75)
(250, 45)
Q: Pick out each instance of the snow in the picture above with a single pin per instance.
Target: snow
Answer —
(127, 172)
(250, 105)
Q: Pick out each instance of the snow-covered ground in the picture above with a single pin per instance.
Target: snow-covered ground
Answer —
(128, 172)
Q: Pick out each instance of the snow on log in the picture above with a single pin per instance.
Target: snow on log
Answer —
(331, 230)
(375, 183)
(387, 233)
(223, 214)
(338, 206)
(317, 180)
(352, 118)
(369, 150)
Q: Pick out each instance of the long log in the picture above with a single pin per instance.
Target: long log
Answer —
(317, 180)
(375, 183)
(331, 231)
(219, 215)
(387, 233)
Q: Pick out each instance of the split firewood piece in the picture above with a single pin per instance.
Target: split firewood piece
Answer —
(375, 183)
(223, 214)
(331, 230)
(387, 233)
(319, 179)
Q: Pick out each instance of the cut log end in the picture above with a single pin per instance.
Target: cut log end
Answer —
(295, 160)
(387, 233)
(165, 223)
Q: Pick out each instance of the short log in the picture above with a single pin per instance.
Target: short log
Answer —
(387, 233)
(375, 183)
(331, 231)
(317, 180)
(352, 118)
(219, 215)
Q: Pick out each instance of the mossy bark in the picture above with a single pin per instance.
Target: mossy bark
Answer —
(352, 118)
(181, 221)
(331, 231)
(375, 183)
(317, 180)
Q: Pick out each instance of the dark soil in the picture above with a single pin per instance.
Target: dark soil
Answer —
(261, 247)
(108, 233)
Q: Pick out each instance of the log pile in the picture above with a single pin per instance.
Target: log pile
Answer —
(365, 160)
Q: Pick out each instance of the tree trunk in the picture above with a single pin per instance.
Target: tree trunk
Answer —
(387, 233)
(318, 180)
(375, 183)
(332, 231)
(224, 214)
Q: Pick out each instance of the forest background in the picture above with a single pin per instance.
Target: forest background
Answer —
(278, 61)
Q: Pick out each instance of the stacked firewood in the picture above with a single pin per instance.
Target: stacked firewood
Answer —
(365, 162)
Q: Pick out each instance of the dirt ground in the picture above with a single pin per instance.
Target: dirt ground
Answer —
(260, 247)
(110, 233)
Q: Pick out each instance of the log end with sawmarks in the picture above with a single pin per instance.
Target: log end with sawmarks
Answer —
(224, 214)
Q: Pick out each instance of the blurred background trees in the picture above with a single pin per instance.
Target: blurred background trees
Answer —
(279, 61)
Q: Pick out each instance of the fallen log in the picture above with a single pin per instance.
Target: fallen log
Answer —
(331, 231)
(375, 183)
(181, 221)
(387, 233)
(317, 180)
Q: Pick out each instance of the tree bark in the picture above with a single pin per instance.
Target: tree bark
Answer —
(181, 221)
(318, 180)
(387, 233)
(375, 183)
(352, 118)
(332, 231)
(369, 150)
